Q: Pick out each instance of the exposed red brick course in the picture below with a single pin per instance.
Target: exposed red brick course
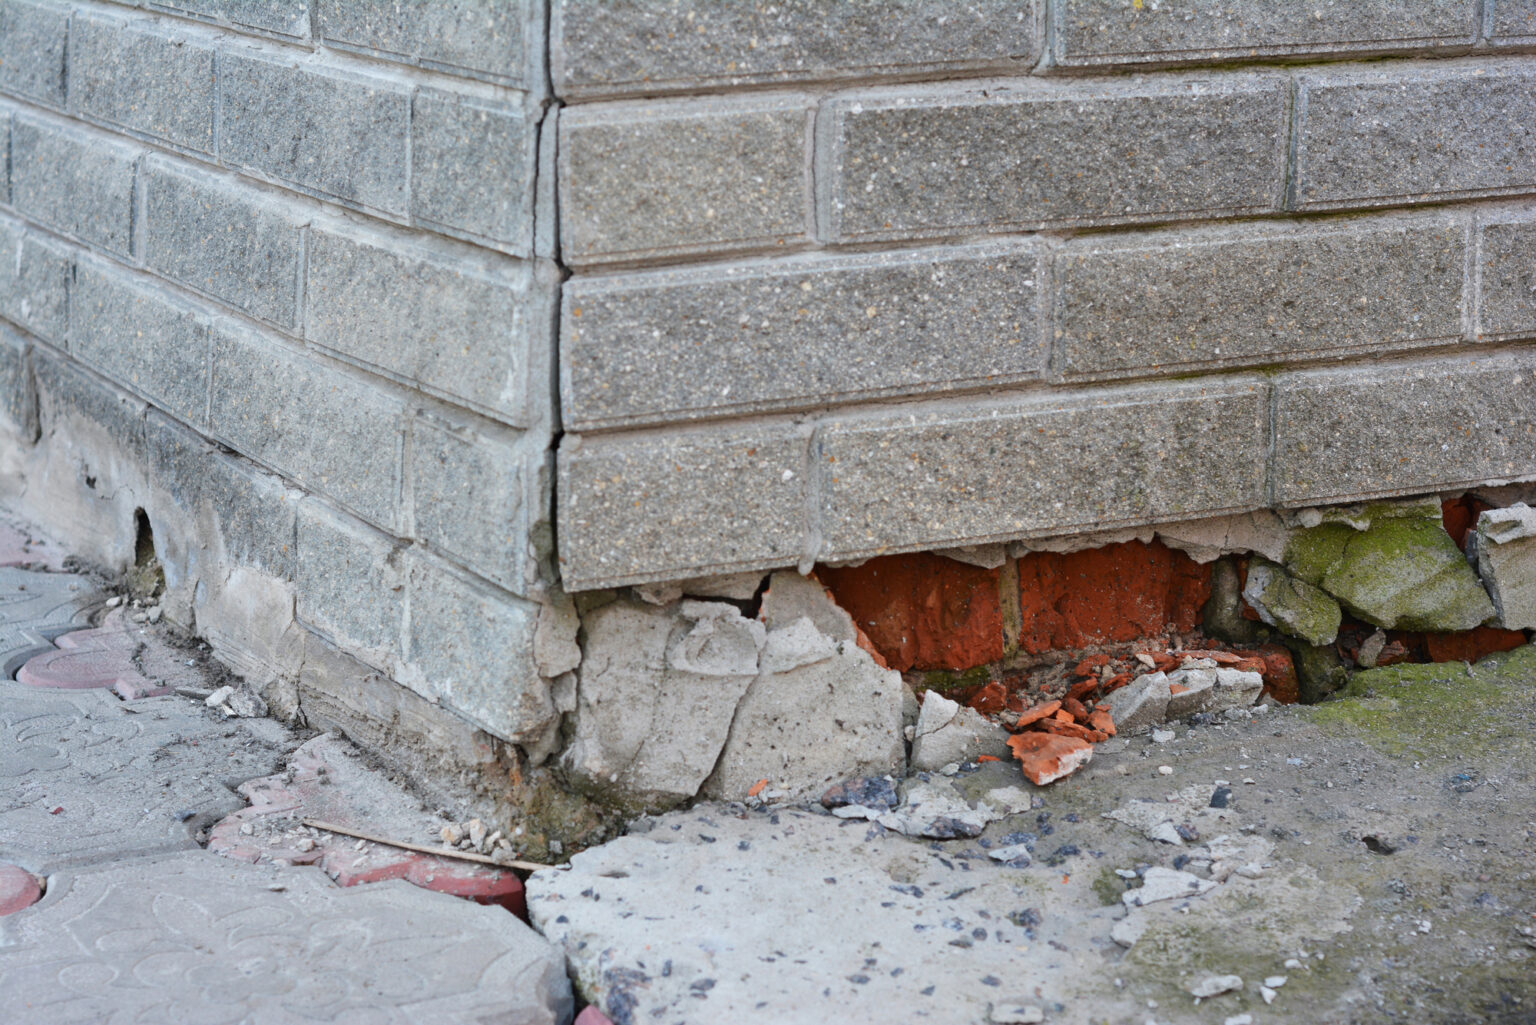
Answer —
(922, 611)
(1471, 645)
(1110, 594)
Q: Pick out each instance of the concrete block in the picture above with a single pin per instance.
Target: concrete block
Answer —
(471, 647)
(468, 326)
(18, 388)
(143, 77)
(646, 180)
(139, 333)
(1403, 429)
(937, 161)
(1506, 279)
(1511, 22)
(252, 514)
(1110, 32)
(33, 39)
(473, 492)
(981, 471)
(335, 133)
(1377, 138)
(1232, 297)
(472, 168)
(641, 508)
(75, 181)
(1505, 548)
(34, 278)
(602, 47)
(741, 338)
(227, 241)
(350, 584)
(475, 38)
(325, 426)
(657, 693)
(288, 18)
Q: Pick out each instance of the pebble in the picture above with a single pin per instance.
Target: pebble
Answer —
(1215, 985)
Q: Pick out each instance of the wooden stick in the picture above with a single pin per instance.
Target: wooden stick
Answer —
(442, 852)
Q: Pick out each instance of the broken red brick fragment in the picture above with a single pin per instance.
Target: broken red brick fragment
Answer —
(922, 611)
(1115, 593)
(1047, 757)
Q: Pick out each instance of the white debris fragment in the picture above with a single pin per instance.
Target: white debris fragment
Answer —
(1215, 985)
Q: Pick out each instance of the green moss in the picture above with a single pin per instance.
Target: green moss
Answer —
(1108, 887)
(1444, 710)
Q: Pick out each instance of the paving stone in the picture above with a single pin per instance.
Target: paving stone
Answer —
(18, 889)
(126, 780)
(130, 660)
(326, 779)
(196, 937)
(37, 607)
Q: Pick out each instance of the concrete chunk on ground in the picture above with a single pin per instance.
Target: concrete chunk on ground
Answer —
(1291, 605)
(950, 733)
(196, 937)
(820, 710)
(1505, 546)
(1140, 704)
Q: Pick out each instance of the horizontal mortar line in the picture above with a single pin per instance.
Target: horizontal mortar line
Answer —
(362, 62)
(331, 206)
(823, 86)
(1042, 384)
(1036, 394)
(244, 457)
(941, 243)
(213, 308)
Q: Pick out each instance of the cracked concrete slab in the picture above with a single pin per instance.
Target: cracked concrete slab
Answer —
(192, 937)
(89, 778)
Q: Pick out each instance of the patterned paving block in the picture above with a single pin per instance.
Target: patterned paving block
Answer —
(37, 607)
(326, 780)
(87, 778)
(191, 937)
(134, 661)
(18, 889)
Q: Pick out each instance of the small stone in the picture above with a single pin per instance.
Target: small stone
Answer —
(1215, 985)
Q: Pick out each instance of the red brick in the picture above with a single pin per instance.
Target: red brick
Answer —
(922, 611)
(18, 889)
(1103, 595)
(1471, 645)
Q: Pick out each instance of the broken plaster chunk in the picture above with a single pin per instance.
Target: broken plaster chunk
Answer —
(1291, 605)
(948, 732)
(1505, 547)
(1159, 884)
(1141, 704)
(1215, 986)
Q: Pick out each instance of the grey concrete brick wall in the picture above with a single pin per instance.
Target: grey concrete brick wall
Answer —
(421, 313)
